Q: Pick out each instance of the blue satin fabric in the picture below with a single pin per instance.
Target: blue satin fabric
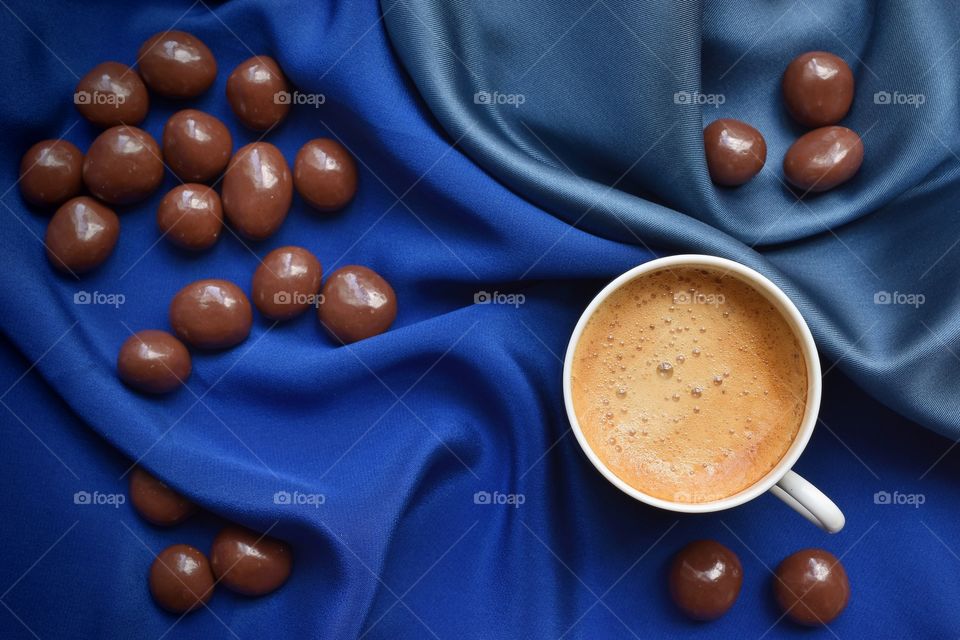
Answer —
(406, 435)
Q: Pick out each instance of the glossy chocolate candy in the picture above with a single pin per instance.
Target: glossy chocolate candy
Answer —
(811, 587)
(248, 562)
(156, 502)
(357, 303)
(211, 314)
(181, 579)
(191, 216)
(257, 190)
(51, 172)
(112, 94)
(259, 93)
(81, 235)
(735, 151)
(123, 165)
(325, 174)
(818, 88)
(286, 283)
(177, 64)
(153, 362)
(823, 159)
(196, 146)
(705, 579)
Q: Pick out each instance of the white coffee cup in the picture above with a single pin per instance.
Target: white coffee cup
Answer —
(809, 501)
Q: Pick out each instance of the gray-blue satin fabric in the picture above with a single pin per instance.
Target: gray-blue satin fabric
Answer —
(594, 111)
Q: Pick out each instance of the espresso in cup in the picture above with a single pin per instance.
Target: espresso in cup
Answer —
(689, 384)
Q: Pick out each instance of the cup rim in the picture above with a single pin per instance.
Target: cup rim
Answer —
(790, 312)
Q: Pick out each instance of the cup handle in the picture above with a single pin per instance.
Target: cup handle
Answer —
(809, 502)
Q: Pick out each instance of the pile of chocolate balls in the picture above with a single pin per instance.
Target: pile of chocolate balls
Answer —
(818, 90)
(125, 165)
(181, 578)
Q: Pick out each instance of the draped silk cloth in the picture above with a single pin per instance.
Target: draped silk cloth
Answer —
(607, 134)
(426, 478)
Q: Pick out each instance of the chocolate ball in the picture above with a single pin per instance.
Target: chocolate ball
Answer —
(325, 174)
(248, 562)
(156, 502)
(818, 88)
(257, 190)
(123, 165)
(81, 235)
(196, 146)
(286, 283)
(356, 304)
(191, 217)
(259, 93)
(735, 151)
(181, 579)
(823, 159)
(177, 64)
(705, 579)
(112, 94)
(51, 172)
(211, 314)
(153, 362)
(811, 587)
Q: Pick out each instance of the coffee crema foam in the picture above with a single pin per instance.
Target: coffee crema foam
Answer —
(689, 384)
